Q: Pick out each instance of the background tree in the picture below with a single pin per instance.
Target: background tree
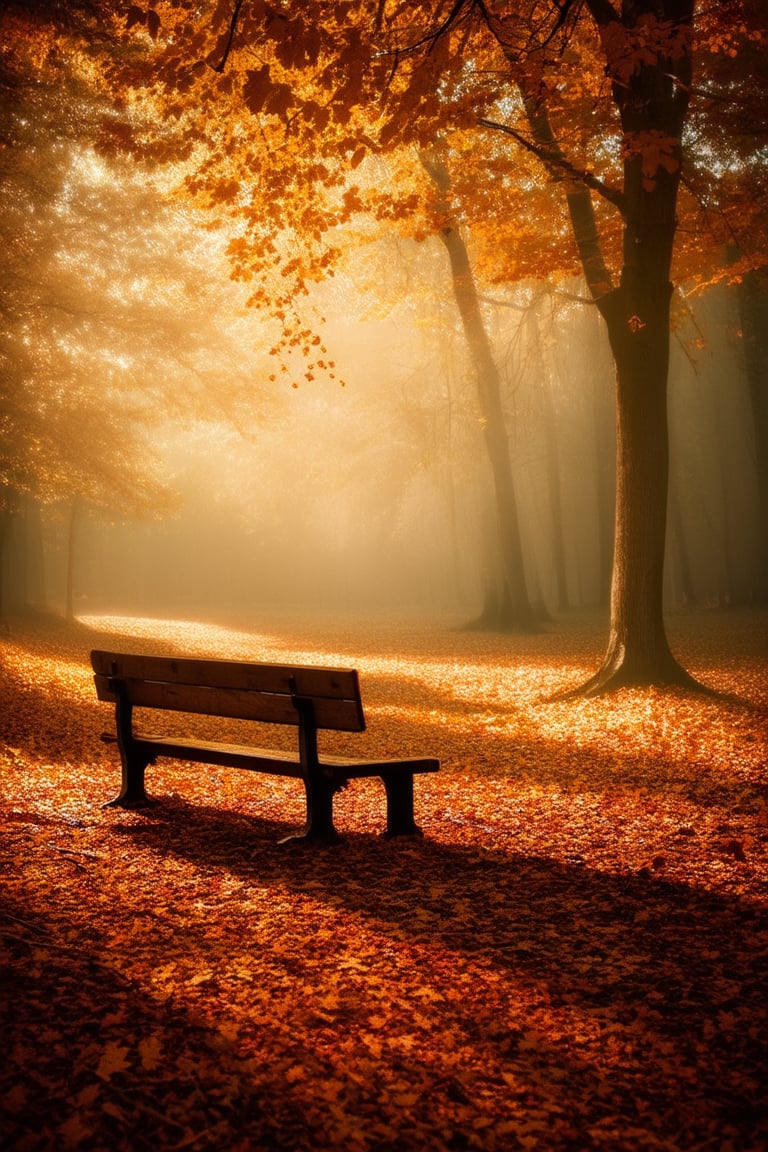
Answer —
(507, 604)
(107, 330)
(753, 308)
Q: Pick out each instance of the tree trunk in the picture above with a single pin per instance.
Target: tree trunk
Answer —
(652, 101)
(552, 450)
(72, 528)
(511, 609)
(679, 549)
(35, 591)
(514, 608)
(638, 652)
(4, 624)
(753, 309)
(603, 444)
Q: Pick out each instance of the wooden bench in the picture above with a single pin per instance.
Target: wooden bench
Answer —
(307, 698)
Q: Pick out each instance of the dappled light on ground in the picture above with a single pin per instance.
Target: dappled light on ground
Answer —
(501, 698)
(573, 957)
(182, 634)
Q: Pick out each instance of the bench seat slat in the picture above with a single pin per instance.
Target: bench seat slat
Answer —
(227, 755)
(275, 762)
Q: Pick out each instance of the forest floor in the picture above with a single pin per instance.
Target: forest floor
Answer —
(575, 955)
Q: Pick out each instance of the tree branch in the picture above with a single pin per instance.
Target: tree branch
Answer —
(603, 12)
(554, 160)
(230, 37)
(432, 37)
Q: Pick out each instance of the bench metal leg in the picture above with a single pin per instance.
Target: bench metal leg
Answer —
(132, 793)
(319, 788)
(133, 761)
(399, 789)
(319, 826)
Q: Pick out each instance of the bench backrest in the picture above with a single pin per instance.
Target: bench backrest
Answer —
(264, 692)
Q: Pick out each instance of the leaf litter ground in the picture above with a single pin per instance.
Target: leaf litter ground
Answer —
(574, 956)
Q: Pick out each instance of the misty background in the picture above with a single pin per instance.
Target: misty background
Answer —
(179, 468)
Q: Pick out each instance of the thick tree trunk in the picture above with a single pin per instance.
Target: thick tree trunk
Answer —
(638, 652)
(652, 103)
(753, 308)
(652, 100)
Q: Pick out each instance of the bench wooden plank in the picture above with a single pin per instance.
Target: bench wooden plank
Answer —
(267, 760)
(247, 691)
(316, 682)
(237, 704)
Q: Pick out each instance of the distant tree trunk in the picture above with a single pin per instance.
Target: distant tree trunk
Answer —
(604, 441)
(75, 515)
(753, 309)
(35, 591)
(555, 502)
(456, 582)
(23, 576)
(679, 549)
(511, 607)
(4, 624)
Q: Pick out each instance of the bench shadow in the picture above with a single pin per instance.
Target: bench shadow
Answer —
(69, 1012)
(594, 937)
(677, 973)
(69, 1004)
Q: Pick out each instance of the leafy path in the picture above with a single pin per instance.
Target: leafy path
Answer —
(574, 957)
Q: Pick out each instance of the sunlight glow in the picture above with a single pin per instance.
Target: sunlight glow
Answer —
(502, 703)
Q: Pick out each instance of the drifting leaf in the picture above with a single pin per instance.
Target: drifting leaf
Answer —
(15, 1099)
(113, 1059)
(150, 1052)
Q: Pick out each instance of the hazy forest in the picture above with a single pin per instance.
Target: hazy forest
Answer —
(427, 338)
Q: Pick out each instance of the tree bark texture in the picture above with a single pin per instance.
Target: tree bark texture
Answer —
(753, 308)
(651, 97)
(638, 651)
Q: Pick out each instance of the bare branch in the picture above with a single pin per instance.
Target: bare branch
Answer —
(432, 37)
(557, 162)
(230, 37)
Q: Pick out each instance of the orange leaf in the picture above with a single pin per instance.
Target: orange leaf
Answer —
(113, 1059)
